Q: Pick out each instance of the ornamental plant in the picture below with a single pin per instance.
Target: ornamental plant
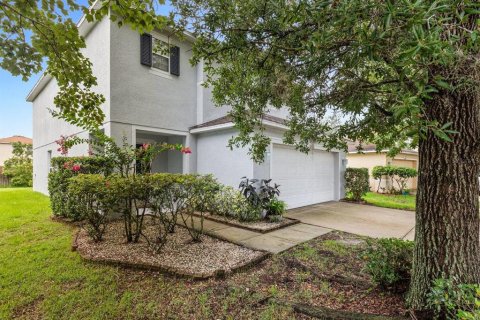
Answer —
(19, 168)
(453, 300)
(90, 197)
(230, 203)
(389, 262)
(391, 174)
(356, 183)
(132, 195)
(58, 180)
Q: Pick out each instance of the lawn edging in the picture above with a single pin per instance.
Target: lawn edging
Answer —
(286, 222)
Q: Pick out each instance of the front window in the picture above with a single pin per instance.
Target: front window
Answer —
(160, 55)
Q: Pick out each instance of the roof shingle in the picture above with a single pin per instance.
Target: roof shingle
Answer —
(13, 139)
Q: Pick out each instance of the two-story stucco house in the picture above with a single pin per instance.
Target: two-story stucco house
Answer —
(153, 97)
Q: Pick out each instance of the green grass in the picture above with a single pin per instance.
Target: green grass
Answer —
(41, 278)
(39, 273)
(404, 202)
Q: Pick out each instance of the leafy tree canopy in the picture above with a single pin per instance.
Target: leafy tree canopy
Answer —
(19, 167)
(375, 62)
(33, 33)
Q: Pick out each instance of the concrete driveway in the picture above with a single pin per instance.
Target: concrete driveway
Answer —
(359, 219)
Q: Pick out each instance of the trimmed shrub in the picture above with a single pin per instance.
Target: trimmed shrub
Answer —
(230, 203)
(389, 262)
(455, 301)
(391, 173)
(64, 168)
(131, 198)
(356, 182)
(90, 197)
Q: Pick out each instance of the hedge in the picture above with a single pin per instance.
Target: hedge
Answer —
(356, 182)
(398, 174)
(64, 168)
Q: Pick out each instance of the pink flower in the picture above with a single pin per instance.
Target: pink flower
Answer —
(76, 168)
(186, 150)
(145, 146)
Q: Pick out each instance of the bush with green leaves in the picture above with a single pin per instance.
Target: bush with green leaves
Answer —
(131, 197)
(453, 300)
(389, 262)
(19, 168)
(276, 207)
(64, 168)
(231, 203)
(200, 190)
(356, 183)
(391, 174)
(90, 197)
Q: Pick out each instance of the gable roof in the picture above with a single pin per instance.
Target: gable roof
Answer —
(228, 119)
(12, 139)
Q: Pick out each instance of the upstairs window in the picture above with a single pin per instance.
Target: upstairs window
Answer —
(160, 55)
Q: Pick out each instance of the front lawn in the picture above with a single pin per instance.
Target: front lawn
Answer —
(404, 202)
(41, 278)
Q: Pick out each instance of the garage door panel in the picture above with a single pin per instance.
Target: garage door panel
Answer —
(304, 179)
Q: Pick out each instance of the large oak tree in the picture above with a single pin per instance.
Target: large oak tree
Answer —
(400, 72)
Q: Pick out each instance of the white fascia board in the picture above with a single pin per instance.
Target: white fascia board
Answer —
(217, 127)
(229, 125)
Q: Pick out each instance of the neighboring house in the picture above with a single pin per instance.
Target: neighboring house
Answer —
(153, 97)
(6, 147)
(369, 158)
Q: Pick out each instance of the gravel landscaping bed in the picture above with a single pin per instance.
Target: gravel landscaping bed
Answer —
(259, 226)
(209, 258)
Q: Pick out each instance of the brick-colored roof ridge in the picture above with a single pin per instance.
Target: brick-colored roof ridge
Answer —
(16, 138)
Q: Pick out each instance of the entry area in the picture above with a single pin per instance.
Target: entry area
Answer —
(305, 179)
(168, 161)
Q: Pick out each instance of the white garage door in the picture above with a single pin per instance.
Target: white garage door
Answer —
(304, 178)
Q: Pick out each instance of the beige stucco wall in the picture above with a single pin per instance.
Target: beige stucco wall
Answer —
(367, 160)
(5, 152)
(370, 160)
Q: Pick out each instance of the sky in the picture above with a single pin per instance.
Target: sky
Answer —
(15, 112)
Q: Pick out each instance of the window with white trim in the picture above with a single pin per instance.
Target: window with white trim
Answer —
(160, 55)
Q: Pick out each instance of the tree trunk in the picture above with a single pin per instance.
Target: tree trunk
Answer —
(447, 241)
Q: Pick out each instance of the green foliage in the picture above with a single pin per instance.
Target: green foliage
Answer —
(130, 196)
(19, 168)
(276, 207)
(230, 203)
(64, 168)
(398, 174)
(201, 193)
(89, 196)
(54, 38)
(356, 182)
(370, 61)
(451, 300)
(389, 262)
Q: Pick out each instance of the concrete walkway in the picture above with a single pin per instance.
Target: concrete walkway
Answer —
(358, 219)
(274, 241)
(317, 220)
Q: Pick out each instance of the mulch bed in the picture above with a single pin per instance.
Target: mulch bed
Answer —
(262, 226)
(180, 256)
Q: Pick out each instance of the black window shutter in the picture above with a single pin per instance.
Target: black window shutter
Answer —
(146, 49)
(175, 61)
